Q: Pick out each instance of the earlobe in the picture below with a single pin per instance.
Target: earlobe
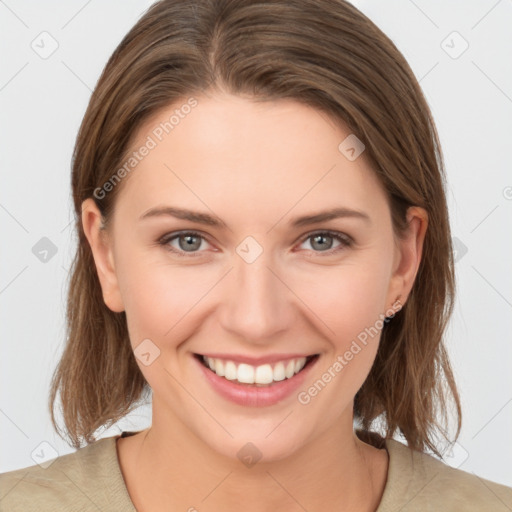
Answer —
(103, 255)
(408, 254)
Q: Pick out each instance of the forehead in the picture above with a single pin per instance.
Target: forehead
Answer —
(250, 156)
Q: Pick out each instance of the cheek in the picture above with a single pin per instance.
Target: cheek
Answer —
(158, 296)
(345, 299)
(348, 306)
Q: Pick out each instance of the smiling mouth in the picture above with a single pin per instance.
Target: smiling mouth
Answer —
(258, 376)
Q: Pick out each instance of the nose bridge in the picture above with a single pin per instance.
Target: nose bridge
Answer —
(256, 306)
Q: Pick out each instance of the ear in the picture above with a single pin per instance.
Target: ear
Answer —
(407, 257)
(101, 247)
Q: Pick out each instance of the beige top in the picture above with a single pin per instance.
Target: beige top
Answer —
(90, 479)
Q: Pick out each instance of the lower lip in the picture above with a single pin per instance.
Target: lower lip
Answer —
(253, 396)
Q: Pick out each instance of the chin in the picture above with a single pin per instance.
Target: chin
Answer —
(254, 442)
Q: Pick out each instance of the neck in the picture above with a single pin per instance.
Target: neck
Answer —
(168, 467)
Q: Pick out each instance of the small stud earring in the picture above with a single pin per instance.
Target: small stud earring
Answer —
(389, 318)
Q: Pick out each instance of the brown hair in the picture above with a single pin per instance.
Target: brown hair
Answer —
(323, 53)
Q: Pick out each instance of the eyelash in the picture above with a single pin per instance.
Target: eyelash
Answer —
(345, 240)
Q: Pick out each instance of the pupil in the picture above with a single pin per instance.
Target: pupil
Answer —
(321, 246)
(189, 244)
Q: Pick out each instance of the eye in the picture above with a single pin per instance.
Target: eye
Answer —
(322, 241)
(188, 243)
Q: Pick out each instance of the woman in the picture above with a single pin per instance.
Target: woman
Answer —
(264, 246)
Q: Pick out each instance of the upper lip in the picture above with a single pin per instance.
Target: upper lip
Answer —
(256, 361)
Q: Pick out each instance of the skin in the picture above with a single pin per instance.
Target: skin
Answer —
(257, 166)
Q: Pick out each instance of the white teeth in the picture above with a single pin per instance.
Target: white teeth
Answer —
(230, 370)
(279, 372)
(248, 374)
(219, 368)
(245, 374)
(299, 364)
(264, 374)
(290, 369)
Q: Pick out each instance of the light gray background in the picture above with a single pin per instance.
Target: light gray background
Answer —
(43, 101)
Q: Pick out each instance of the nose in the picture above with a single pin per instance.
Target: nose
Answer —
(257, 305)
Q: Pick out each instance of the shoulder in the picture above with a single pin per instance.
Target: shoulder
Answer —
(87, 479)
(418, 481)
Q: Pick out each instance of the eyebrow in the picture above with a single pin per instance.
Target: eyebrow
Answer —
(212, 220)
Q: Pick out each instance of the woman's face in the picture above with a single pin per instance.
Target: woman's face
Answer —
(248, 282)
